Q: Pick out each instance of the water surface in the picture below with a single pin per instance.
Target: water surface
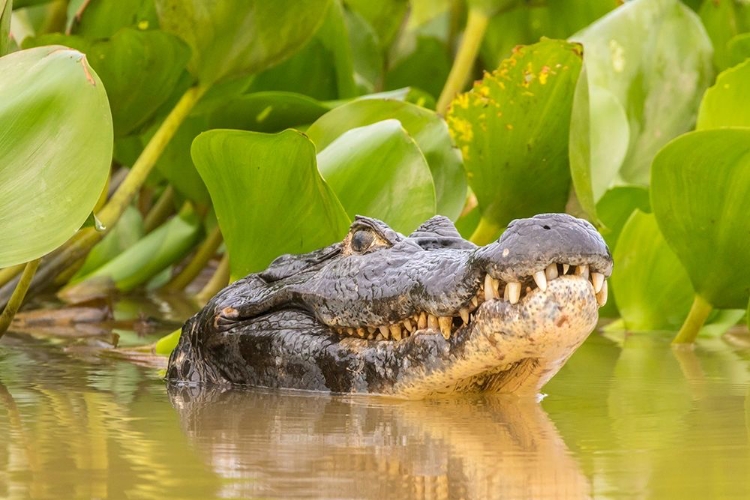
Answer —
(627, 417)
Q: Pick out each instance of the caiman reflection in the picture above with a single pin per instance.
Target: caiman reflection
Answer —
(406, 316)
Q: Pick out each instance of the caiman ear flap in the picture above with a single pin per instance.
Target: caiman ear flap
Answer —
(439, 232)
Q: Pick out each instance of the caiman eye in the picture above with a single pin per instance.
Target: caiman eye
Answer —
(362, 240)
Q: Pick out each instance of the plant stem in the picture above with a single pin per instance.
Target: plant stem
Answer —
(219, 280)
(9, 273)
(18, 294)
(476, 25)
(485, 232)
(198, 262)
(162, 209)
(699, 311)
(79, 245)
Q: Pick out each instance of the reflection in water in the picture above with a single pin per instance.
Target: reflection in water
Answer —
(624, 419)
(371, 448)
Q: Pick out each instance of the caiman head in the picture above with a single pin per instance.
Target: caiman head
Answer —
(408, 316)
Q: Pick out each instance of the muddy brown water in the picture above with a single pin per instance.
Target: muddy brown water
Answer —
(627, 417)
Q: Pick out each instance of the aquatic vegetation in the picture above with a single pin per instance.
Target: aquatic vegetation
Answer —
(177, 145)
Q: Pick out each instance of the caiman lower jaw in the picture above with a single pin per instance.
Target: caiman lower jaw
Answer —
(512, 348)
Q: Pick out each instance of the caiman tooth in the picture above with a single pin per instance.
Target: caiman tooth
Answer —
(395, 332)
(583, 270)
(351, 331)
(565, 268)
(506, 294)
(597, 279)
(422, 321)
(514, 292)
(384, 331)
(475, 302)
(464, 312)
(541, 280)
(409, 325)
(601, 296)
(361, 333)
(432, 322)
(551, 272)
(379, 336)
(489, 290)
(371, 329)
(445, 326)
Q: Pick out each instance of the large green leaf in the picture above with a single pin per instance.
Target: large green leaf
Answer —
(6, 9)
(653, 57)
(55, 149)
(152, 254)
(426, 127)
(512, 129)
(268, 195)
(426, 67)
(234, 37)
(700, 194)
(723, 20)
(727, 103)
(267, 112)
(739, 49)
(385, 16)
(652, 288)
(379, 171)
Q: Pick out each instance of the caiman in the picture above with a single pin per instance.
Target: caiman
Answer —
(407, 316)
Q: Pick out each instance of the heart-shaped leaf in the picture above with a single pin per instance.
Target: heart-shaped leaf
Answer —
(56, 126)
(379, 171)
(427, 128)
(512, 129)
(654, 58)
(268, 195)
(700, 194)
(234, 37)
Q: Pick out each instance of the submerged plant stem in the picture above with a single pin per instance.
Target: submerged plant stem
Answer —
(219, 280)
(18, 295)
(476, 25)
(485, 233)
(699, 311)
(198, 262)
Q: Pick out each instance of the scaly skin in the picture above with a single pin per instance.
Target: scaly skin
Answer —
(303, 322)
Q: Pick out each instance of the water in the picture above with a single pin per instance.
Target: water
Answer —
(626, 418)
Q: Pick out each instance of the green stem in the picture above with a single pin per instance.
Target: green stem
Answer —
(694, 321)
(219, 280)
(163, 208)
(476, 25)
(485, 232)
(205, 252)
(9, 273)
(18, 294)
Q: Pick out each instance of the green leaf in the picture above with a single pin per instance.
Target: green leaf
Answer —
(739, 49)
(385, 16)
(267, 112)
(367, 58)
(727, 103)
(139, 69)
(599, 134)
(723, 19)
(103, 18)
(268, 195)
(426, 67)
(379, 171)
(6, 9)
(512, 129)
(165, 345)
(152, 254)
(234, 37)
(56, 126)
(654, 59)
(426, 127)
(700, 194)
(652, 288)
(124, 234)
